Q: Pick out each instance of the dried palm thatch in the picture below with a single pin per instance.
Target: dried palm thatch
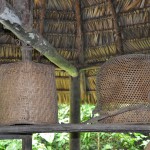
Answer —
(102, 29)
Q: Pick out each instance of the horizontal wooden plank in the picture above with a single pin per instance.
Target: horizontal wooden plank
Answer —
(28, 129)
(13, 136)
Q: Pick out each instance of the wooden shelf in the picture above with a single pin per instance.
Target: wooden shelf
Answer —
(29, 129)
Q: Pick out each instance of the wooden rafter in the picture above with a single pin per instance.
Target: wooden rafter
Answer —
(119, 43)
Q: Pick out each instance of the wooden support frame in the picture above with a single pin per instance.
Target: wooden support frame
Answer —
(26, 16)
(75, 112)
(25, 132)
(80, 43)
(27, 142)
(26, 139)
(12, 136)
(29, 129)
(76, 83)
(26, 53)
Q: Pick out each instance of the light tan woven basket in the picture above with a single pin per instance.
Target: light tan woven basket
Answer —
(27, 94)
(123, 90)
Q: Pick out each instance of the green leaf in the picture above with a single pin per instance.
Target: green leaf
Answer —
(49, 137)
(107, 147)
(13, 146)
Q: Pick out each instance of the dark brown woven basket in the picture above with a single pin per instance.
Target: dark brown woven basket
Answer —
(27, 94)
(123, 90)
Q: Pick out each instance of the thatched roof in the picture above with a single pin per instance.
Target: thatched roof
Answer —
(87, 33)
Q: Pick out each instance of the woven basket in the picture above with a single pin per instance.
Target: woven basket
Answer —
(27, 94)
(123, 90)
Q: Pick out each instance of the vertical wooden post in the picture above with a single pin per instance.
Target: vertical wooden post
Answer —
(25, 10)
(27, 142)
(75, 112)
(77, 83)
(26, 53)
(83, 85)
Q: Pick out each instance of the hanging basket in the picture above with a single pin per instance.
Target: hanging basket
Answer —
(27, 94)
(123, 90)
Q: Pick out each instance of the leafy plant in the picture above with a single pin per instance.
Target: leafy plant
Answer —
(10, 145)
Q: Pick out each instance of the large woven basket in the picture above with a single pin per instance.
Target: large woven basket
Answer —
(27, 94)
(123, 90)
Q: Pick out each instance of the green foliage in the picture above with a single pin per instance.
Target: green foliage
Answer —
(89, 140)
(110, 141)
(10, 144)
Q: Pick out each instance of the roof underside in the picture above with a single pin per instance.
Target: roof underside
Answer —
(104, 33)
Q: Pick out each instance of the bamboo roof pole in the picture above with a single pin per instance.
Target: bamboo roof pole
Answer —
(119, 43)
(11, 21)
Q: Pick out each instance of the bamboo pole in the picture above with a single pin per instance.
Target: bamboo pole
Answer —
(12, 22)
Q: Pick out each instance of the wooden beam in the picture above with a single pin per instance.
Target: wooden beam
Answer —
(116, 28)
(75, 112)
(80, 47)
(83, 86)
(26, 139)
(25, 10)
(27, 142)
(12, 136)
(26, 53)
(12, 22)
(26, 129)
(79, 40)
(77, 82)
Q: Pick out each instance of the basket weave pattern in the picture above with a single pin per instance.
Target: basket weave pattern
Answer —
(122, 82)
(27, 94)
